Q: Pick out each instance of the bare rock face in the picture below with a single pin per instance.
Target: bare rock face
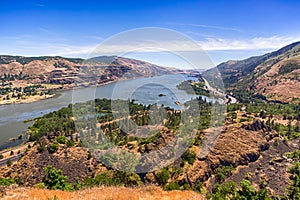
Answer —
(72, 161)
(257, 126)
(235, 146)
(199, 171)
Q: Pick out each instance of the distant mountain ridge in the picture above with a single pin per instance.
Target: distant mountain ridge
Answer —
(76, 71)
(274, 76)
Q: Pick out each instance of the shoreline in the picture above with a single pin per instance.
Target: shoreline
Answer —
(36, 98)
(31, 99)
(56, 92)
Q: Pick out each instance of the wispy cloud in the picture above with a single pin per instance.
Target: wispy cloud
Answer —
(257, 43)
(48, 31)
(94, 37)
(208, 26)
(39, 5)
(31, 47)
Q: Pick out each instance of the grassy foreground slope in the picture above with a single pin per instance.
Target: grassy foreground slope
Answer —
(104, 193)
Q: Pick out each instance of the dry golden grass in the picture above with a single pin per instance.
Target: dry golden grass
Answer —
(103, 193)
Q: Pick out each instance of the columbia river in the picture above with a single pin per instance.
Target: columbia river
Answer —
(160, 90)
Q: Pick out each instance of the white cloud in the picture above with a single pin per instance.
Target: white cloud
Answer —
(257, 43)
(32, 48)
(208, 26)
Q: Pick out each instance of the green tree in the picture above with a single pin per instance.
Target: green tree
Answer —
(189, 156)
(54, 179)
(61, 139)
(223, 172)
(163, 176)
(225, 191)
(172, 186)
(9, 163)
(293, 191)
(247, 191)
(7, 181)
(70, 143)
(53, 147)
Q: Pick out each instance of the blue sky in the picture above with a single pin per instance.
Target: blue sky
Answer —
(224, 29)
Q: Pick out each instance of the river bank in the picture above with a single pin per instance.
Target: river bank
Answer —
(29, 99)
(55, 89)
(143, 90)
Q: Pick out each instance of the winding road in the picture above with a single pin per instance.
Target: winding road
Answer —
(231, 99)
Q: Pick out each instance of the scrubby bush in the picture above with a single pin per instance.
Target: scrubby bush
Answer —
(61, 139)
(293, 191)
(163, 176)
(228, 190)
(9, 163)
(189, 157)
(198, 186)
(223, 172)
(113, 178)
(70, 143)
(53, 147)
(54, 179)
(41, 147)
(172, 186)
(7, 181)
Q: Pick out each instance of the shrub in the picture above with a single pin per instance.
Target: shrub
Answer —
(189, 157)
(1, 156)
(128, 178)
(246, 189)
(224, 191)
(7, 181)
(9, 163)
(228, 190)
(41, 147)
(248, 176)
(198, 186)
(163, 176)
(293, 191)
(70, 143)
(223, 172)
(61, 139)
(54, 179)
(105, 178)
(53, 147)
(172, 186)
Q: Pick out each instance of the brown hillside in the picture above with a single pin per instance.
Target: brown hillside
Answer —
(103, 193)
(275, 75)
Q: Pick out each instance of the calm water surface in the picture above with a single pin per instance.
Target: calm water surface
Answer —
(143, 90)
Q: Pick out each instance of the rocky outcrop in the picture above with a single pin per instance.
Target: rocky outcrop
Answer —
(236, 146)
(74, 163)
(257, 125)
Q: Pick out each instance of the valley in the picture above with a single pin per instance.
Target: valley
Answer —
(184, 139)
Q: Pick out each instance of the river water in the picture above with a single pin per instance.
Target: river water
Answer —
(143, 90)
